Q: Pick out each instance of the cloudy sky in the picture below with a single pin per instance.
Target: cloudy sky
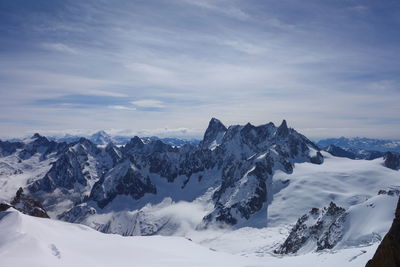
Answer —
(330, 68)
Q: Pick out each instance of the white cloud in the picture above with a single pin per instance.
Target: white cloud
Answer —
(59, 47)
(222, 7)
(118, 107)
(148, 103)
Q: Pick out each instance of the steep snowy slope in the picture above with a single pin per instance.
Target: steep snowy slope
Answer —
(31, 241)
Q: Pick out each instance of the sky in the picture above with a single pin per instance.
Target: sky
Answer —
(330, 68)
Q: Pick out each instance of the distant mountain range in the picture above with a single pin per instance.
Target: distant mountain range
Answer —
(361, 143)
(102, 138)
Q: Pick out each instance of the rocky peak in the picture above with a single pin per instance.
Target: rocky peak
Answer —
(36, 136)
(160, 146)
(39, 139)
(85, 145)
(214, 133)
(40, 144)
(282, 130)
(135, 142)
(216, 123)
(100, 138)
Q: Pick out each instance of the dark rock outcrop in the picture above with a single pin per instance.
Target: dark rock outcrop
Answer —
(391, 160)
(8, 148)
(323, 228)
(4, 206)
(26, 205)
(388, 252)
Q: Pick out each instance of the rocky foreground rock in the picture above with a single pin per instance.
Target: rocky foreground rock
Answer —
(26, 205)
(388, 252)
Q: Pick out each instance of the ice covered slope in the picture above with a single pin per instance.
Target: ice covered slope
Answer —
(31, 241)
(344, 181)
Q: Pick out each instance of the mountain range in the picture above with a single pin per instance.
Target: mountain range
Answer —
(267, 179)
(103, 138)
(362, 143)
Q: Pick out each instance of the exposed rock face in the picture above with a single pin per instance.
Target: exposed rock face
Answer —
(4, 206)
(322, 228)
(80, 163)
(388, 252)
(26, 205)
(391, 160)
(41, 145)
(8, 148)
(214, 134)
(124, 179)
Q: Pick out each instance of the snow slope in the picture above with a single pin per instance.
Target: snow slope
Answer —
(23, 243)
(344, 181)
(31, 241)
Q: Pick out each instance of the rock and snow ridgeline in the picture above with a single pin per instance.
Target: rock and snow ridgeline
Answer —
(229, 179)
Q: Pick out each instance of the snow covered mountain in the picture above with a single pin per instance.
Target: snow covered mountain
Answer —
(241, 180)
(235, 163)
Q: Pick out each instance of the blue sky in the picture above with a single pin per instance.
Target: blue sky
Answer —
(330, 68)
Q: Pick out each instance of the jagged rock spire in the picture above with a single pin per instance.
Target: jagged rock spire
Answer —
(136, 141)
(282, 130)
(214, 133)
(36, 135)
